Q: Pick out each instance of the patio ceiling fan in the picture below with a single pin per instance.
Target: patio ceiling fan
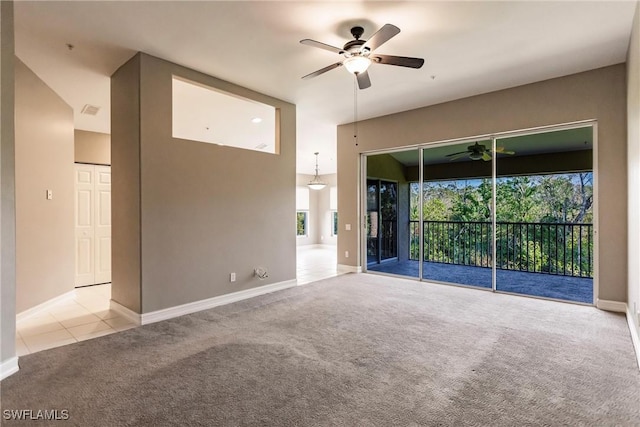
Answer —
(358, 54)
(477, 152)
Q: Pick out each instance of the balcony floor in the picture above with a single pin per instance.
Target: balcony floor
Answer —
(576, 289)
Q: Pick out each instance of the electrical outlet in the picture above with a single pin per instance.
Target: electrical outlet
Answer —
(346, 254)
(347, 227)
(232, 277)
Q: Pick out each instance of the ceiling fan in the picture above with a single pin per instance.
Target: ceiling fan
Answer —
(358, 54)
(477, 152)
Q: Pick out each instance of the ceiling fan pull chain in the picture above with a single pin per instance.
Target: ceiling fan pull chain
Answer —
(355, 109)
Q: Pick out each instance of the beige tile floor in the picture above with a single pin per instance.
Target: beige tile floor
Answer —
(315, 263)
(85, 316)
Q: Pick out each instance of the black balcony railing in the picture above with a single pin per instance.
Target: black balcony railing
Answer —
(554, 248)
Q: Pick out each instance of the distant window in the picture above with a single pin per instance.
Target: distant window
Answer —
(302, 217)
(334, 223)
(302, 211)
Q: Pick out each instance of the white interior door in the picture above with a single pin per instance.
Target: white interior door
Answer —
(93, 224)
(102, 222)
(84, 183)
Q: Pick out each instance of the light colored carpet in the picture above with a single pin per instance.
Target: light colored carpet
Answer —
(356, 350)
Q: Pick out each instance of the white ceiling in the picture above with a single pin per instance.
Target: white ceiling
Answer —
(469, 48)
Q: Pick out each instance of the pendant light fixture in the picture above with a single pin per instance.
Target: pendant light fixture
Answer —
(316, 184)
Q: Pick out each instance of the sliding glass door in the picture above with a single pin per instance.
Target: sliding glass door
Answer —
(511, 214)
(544, 215)
(456, 212)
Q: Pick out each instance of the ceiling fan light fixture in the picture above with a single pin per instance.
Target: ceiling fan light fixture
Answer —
(316, 183)
(357, 64)
(475, 156)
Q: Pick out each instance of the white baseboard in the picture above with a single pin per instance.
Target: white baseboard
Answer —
(125, 312)
(45, 306)
(9, 367)
(192, 307)
(634, 328)
(349, 268)
(615, 306)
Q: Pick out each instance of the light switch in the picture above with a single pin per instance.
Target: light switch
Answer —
(347, 227)
(49, 195)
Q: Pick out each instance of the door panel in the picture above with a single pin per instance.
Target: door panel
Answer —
(93, 224)
(103, 224)
(372, 222)
(84, 225)
(84, 258)
(457, 200)
(388, 220)
(544, 220)
(382, 220)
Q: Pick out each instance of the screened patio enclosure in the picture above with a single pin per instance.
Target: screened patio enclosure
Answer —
(512, 213)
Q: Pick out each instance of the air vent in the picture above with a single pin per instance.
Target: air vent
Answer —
(261, 146)
(90, 110)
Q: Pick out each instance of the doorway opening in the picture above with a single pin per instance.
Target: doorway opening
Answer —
(92, 224)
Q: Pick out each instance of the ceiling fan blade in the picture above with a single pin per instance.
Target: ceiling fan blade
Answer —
(486, 156)
(323, 70)
(458, 155)
(501, 150)
(320, 45)
(455, 154)
(380, 37)
(363, 80)
(402, 61)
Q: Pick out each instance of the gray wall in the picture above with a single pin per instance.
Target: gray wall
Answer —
(125, 186)
(92, 147)
(45, 255)
(205, 210)
(598, 94)
(7, 199)
(633, 147)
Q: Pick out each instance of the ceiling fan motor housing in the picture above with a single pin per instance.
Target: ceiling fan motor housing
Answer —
(353, 46)
(357, 32)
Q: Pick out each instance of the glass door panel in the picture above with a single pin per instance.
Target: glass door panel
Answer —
(382, 221)
(373, 220)
(389, 241)
(457, 227)
(388, 220)
(544, 216)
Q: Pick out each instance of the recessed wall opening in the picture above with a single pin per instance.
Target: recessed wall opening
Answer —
(512, 214)
(205, 114)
